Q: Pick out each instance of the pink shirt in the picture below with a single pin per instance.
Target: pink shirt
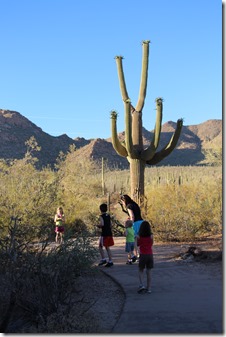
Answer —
(145, 244)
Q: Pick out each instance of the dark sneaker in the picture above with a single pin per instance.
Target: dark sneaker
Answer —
(109, 264)
(129, 262)
(102, 262)
(134, 258)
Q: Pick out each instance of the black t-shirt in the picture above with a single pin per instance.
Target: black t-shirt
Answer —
(106, 229)
(136, 210)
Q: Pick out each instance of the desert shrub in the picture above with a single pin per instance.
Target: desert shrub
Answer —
(27, 193)
(185, 212)
(183, 202)
(78, 227)
(77, 185)
(39, 276)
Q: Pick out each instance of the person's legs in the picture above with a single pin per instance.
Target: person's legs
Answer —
(132, 257)
(141, 273)
(135, 247)
(109, 253)
(127, 250)
(56, 238)
(141, 276)
(149, 266)
(107, 242)
(133, 252)
(110, 263)
(148, 272)
(101, 250)
(141, 288)
(61, 237)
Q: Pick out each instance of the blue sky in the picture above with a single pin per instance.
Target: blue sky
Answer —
(58, 67)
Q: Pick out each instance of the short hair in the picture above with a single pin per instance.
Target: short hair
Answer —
(103, 207)
(128, 223)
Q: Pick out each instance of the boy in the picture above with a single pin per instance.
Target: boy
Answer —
(106, 239)
(129, 247)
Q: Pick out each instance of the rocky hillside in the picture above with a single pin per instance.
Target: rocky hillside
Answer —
(15, 130)
(198, 144)
(195, 145)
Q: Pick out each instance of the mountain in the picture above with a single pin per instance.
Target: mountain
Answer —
(16, 129)
(198, 144)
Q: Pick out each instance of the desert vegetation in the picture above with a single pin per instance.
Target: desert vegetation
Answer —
(181, 202)
(40, 279)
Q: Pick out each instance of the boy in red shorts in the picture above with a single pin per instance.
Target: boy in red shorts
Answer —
(106, 239)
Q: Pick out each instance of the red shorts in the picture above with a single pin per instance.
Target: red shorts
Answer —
(106, 241)
(59, 229)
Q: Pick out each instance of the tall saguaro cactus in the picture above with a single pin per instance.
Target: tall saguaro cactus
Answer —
(132, 148)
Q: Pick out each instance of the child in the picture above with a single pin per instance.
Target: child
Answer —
(133, 210)
(145, 242)
(129, 234)
(59, 220)
(106, 239)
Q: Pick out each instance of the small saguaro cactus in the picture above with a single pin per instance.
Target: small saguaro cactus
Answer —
(132, 147)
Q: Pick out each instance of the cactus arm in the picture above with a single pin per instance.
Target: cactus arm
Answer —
(158, 123)
(121, 77)
(128, 130)
(117, 145)
(169, 147)
(148, 153)
(144, 76)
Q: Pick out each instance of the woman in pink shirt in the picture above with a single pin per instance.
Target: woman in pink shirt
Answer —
(145, 242)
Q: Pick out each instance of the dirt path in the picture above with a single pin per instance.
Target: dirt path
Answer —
(187, 296)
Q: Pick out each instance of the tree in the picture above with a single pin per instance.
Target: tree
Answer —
(132, 148)
(32, 147)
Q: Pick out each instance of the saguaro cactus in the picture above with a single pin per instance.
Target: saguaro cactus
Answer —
(132, 148)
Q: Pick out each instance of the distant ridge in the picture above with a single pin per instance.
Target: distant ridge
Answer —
(195, 144)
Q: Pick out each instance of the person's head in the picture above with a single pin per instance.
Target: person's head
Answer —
(103, 208)
(128, 223)
(60, 210)
(145, 229)
(126, 199)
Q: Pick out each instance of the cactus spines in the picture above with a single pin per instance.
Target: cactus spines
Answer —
(133, 149)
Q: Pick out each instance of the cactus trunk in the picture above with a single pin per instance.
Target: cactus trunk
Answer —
(137, 168)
